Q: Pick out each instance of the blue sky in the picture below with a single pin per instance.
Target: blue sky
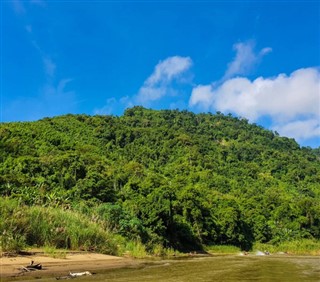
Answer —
(255, 59)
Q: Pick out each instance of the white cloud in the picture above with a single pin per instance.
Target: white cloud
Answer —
(202, 95)
(157, 85)
(290, 101)
(300, 129)
(168, 69)
(245, 59)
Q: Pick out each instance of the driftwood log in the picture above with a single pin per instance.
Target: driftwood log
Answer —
(33, 266)
(74, 275)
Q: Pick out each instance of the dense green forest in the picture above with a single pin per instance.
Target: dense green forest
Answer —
(163, 178)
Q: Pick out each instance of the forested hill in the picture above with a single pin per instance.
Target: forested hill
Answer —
(168, 176)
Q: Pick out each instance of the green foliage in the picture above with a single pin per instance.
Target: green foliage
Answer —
(166, 179)
(222, 249)
(117, 220)
(297, 247)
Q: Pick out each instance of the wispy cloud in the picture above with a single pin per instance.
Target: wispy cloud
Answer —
(165, 71)
(53, 97)
(157, 85)
(19, 7)
(245, 60)
(290, 101)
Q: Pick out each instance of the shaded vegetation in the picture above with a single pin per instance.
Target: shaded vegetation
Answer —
(162, 179)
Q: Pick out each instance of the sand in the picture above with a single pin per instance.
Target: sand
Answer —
(55, 267)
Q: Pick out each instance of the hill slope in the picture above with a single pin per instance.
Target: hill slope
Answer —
(169, 177)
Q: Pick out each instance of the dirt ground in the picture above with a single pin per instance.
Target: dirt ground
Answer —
(55, 267)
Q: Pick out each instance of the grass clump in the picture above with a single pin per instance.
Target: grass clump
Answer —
(136, 249)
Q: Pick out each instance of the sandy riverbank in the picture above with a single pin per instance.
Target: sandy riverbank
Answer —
(10, 267)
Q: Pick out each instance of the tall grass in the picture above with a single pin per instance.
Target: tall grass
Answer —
(10, 239)
(21, 225)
